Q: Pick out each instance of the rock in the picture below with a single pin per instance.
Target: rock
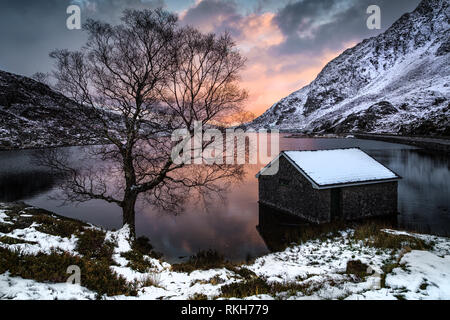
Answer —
(357, 268)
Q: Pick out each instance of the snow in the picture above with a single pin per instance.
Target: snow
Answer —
(319, 266)
(338, 166)
(171, 285)
(422, 275)
(16, 288)
(42, 242)
(121, 238)
(3, 215)
(422, 268)
(180, 285)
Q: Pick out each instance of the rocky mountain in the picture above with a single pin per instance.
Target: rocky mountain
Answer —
(396, 82)
(34, 115)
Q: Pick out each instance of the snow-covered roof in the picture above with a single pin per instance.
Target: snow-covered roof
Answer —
(338, 167)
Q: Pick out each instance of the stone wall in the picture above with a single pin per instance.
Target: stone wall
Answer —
(298, 197)
(379, 199)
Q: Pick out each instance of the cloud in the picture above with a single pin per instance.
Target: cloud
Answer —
(268, 75)
(286, 49)
(111, 10)
(316, 26)
(30, 29)
(270, 78)
(212, 15)
(286, 42)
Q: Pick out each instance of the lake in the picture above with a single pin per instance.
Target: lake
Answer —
(230, 227)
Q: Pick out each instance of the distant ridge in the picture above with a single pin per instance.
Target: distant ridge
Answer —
(34, 115)
(397, 82)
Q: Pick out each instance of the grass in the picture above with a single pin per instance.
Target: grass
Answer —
(211, 259)
(94, 263)
(92, 245)
(203, 260)
(244, 273)
(368, 231)
(140, 248)
(216, 280)
(10, 240)
(95, 274)
(142, 244)
(6, 227)
(258, 285)
(198, 296)
(321, 232)
(49, 222)
(424, 285)
(137, 261)
(95, 260)
(245, 288)
(372, 236)
(57, 227)
(150, 280)
(97, 254)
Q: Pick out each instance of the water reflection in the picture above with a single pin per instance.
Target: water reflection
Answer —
(230, 226)
(279, 229)
(20, 179)
(227, 226)
(23, 185)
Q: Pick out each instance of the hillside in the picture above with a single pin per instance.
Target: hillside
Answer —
(397, 82)
(34, 115)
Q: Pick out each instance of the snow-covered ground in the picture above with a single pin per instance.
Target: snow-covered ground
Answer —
(318, 266)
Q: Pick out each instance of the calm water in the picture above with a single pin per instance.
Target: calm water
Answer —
(231, 226)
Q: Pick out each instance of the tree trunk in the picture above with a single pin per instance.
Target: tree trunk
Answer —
(128, 211)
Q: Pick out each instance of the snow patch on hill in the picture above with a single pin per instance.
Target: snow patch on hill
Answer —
(34, 115)
(397, 82)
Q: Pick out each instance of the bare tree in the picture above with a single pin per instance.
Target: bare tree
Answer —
(203, 83)
(42, 78)
(135, 83)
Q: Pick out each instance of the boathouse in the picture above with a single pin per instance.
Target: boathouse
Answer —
(327, 185)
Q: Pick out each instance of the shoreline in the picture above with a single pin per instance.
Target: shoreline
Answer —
(427, 143)
(333, 264)
(439, 144)
(436, 144)
(3, 149)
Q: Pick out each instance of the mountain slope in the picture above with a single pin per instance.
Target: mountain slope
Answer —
(396, 82)
(33, 115)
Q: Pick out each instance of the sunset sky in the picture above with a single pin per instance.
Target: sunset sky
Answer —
(286, 42)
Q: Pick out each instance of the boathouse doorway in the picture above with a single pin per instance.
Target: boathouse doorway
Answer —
(336, 207)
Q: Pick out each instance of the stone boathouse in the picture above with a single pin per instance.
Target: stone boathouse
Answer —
(327, 185)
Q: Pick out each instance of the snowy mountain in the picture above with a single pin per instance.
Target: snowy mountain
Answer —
(34, 115)
(397, 82)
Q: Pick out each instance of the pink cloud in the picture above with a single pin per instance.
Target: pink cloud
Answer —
(268, 76)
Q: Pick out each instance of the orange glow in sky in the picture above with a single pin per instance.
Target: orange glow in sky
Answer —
(268, 77)
(267, 87)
